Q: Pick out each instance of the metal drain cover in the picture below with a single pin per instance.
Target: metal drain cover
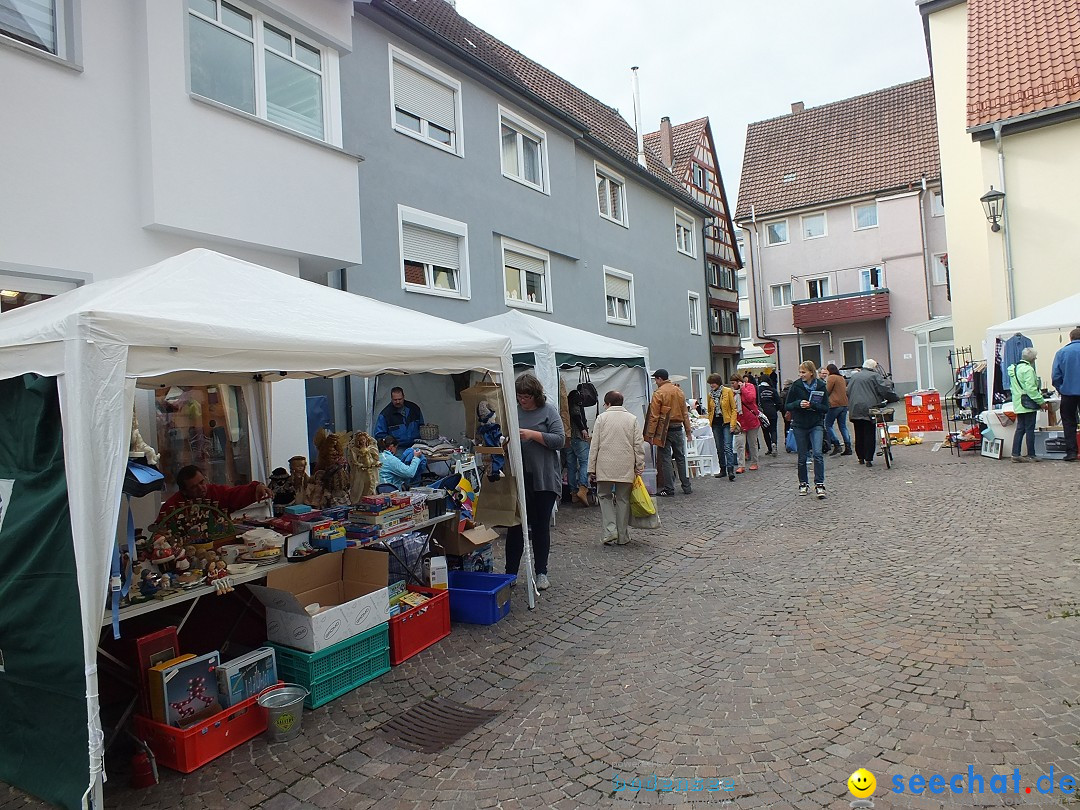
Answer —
(433, 725)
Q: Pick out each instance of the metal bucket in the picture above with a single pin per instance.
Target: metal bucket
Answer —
(285, 704)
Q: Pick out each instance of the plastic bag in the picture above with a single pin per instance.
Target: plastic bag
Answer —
(789, 442)
(641, 503)
(645, 522)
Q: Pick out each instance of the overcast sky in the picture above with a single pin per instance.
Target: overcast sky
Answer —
(736, 62)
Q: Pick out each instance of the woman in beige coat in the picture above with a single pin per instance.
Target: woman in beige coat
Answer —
(616, 457)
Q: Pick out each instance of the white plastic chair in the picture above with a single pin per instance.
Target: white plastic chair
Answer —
(699, 460)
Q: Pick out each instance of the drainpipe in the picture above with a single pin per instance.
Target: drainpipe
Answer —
(1010, 289)
(927, 261)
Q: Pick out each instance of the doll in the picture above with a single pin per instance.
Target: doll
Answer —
(282, 488)
(139, 447)
(161, 552)
(299, 480)
(364, 464)
(489, 434)
(330, 478)
(217, 574)
(149, 583)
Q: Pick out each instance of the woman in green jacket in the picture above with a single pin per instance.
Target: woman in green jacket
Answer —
(1025, 388)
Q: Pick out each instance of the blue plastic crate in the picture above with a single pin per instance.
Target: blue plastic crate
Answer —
(477, 598)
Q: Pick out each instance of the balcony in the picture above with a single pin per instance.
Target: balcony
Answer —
(872, 305)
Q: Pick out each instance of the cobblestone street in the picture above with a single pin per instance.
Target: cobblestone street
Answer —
(920, 619)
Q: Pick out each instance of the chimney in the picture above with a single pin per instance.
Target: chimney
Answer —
(637, 122)
(667, 146)
(796, 107)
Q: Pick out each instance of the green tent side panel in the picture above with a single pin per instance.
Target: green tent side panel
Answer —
(43, 736)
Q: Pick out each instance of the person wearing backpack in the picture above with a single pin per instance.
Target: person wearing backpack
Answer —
(769, 404)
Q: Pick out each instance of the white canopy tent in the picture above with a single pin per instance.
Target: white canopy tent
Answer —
(1061, 316)
(203, 318)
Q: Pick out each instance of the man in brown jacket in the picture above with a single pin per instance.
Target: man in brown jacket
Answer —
(667, 428)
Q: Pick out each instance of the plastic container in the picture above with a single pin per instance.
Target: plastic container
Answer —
(185, 749)
(477, 598)
(419, 627)
(284, 704)
(332, 672)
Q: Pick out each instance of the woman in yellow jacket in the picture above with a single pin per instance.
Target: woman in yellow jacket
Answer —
(724, 418)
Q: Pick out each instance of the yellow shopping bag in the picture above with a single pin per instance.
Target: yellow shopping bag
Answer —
(641, 504)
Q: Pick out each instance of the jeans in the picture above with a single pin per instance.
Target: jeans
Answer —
(1025, 426)
(615, 509)
(839, 416)
(866, 440)
(809, 440)
(674, 449)
(577, 464)
(539, 505)
(1070, 403)
(725, 449)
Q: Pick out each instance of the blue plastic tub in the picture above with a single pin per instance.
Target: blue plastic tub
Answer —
(477, 598)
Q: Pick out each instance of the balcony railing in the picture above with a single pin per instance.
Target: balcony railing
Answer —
(872, 305)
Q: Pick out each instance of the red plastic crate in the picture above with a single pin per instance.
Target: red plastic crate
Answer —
(185, 749)
(925, 422)
(419, 627)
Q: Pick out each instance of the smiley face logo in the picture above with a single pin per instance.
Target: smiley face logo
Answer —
(862, 784)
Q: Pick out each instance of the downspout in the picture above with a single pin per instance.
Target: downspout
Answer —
(927, 270)
(1010, 289)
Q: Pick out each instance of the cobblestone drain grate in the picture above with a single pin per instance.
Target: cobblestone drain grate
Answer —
(433, 725)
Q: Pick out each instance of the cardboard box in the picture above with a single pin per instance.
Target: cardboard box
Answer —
(350, 585)
(465, 542)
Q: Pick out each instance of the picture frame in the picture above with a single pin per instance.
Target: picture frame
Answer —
(991, 448)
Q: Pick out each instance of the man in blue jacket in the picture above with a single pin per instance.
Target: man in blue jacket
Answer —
(1066, 379)
(400, 419)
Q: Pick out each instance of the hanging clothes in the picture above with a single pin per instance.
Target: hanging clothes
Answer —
(1011, 354)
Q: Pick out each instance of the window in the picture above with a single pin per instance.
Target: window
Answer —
(697, 383)
(611, 195)
(817, 288)
(712, 273)
(744, 328)
(781, 295)
(854, 353)
(871, 278)
(865, 215)
(434, 254)
(425, 102)
(684, 233)
(743, 292)
(524, 151)
(941, 268)
(729, 322)
(249, 63)
(714, 320)
(619, 296)
(812, 352)
(776, 233)
(813, 226)
(727, 278)
(526, 276)
(699, 176)
(694, 302)
(937, 204)
(37, 23)
(18, 291)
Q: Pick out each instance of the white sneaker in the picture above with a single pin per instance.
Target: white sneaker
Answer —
(819, 490)
(542, 582)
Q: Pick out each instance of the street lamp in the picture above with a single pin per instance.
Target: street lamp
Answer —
(993, 203)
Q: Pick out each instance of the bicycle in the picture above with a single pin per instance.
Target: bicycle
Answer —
(883, 416)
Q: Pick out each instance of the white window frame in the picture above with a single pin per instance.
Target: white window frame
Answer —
(329, 71)
(632, 320)
(602, 171)
(768, 234)
(697, 383)
(457, 145)
(712, 273)
(684, 233)
(843, 354)
(865, 278)
(819, 280)
(693, 303)
(940, 271)
(741, 322)
(729, 322)
(714, 320)
(66, 14)
(695, 170)
(824, 225)
(535, 253)
(425, 219)
(855, 215)
(524, 127)
(742, 285)
(772, 296)
(937, 203)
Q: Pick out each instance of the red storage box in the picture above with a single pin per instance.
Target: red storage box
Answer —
(185, 749)
(926, 415)
(419, 627)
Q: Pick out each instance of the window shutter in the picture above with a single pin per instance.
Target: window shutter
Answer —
(617, 287)
(424, 97)
(430, 247)
(520, 261)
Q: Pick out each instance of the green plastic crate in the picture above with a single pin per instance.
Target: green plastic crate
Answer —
(334, 671)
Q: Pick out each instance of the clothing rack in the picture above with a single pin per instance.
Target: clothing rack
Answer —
(962, 402)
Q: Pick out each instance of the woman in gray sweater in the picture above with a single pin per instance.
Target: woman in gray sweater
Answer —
(542, 436)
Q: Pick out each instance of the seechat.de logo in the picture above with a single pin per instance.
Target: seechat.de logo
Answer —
(363, 615)
(331, 631)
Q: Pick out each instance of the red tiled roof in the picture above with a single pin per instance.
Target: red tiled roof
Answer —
(597, 119)
(684, 139)
(1023, 57)
(880, 141)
